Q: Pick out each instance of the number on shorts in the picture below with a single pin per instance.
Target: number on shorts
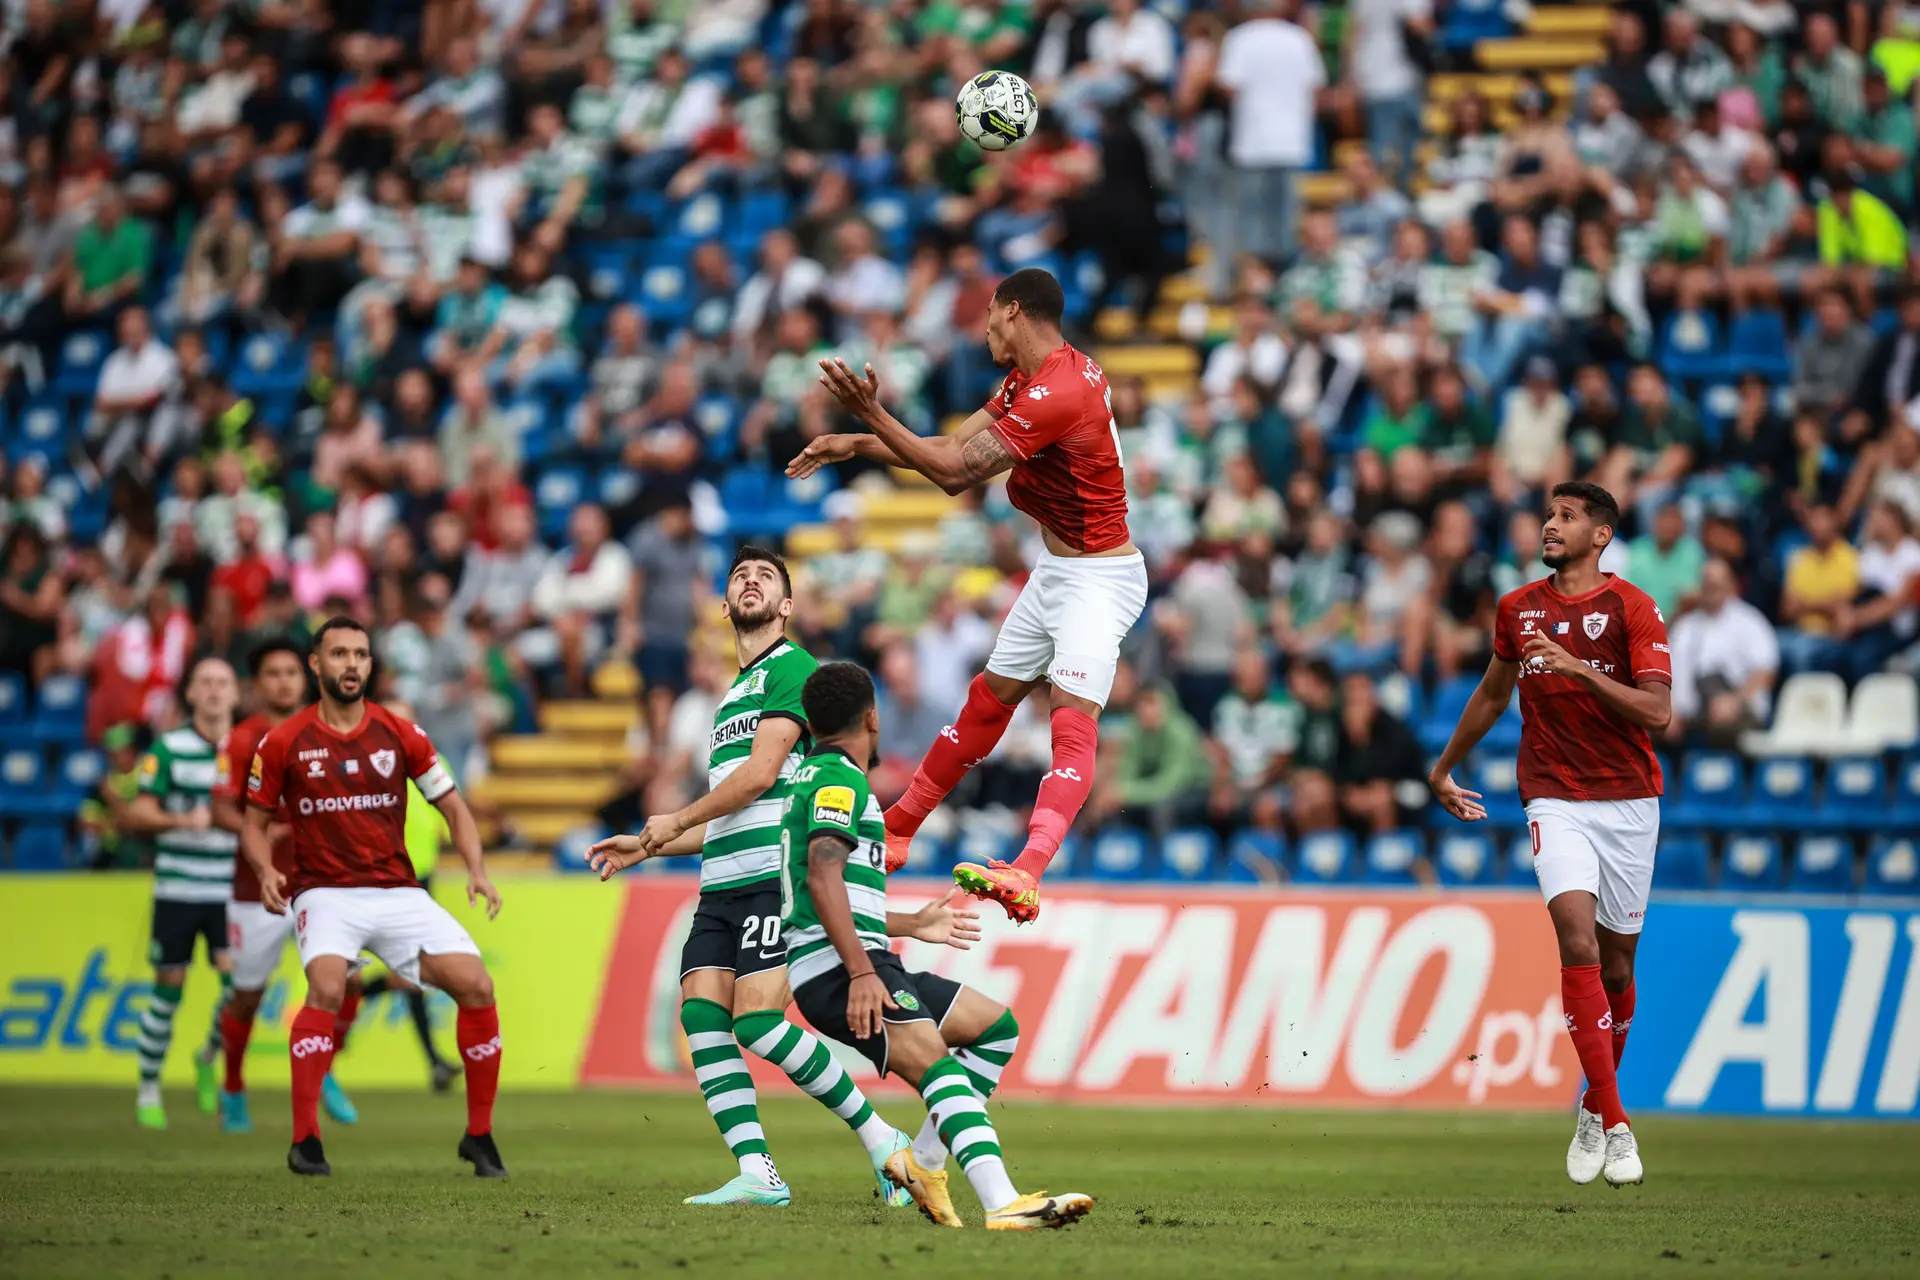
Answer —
(1534, 827)
(234, 940)
(767, 931)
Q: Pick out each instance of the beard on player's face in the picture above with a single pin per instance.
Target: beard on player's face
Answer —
(761, 612)
(332, 684)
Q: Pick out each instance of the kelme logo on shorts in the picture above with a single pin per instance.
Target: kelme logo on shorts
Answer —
(907, 1000)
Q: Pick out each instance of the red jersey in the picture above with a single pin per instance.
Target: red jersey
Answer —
(347, 794)
(1572, 747)
(1059, 426)
(234, 763)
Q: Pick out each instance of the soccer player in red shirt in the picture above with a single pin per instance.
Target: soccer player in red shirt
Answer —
(256, 936)
(341, 768)
(1051, 426)
(1589, 652)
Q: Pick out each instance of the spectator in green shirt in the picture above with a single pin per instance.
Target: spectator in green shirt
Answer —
(1667, 563)
(110, 261)
(1885, 143)
(1163, 774)
(1398, 419)
(1658, 441)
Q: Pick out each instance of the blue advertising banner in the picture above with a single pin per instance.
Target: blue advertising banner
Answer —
(1777, 1007)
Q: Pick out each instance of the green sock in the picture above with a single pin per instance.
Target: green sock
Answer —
(728, 1089)
(156, 1031)
(811, 1065)
(965, 1127)
(984, 1060)
(211, 1050)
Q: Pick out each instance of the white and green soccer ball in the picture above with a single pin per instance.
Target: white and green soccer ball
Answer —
(997, 110)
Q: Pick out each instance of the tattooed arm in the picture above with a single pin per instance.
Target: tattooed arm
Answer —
(970, 456)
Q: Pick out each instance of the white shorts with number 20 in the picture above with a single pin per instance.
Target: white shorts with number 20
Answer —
(1068, 623)
(399, 925)
(255, 939)
(1602, 846)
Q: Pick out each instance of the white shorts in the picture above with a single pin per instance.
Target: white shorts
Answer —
(398, 925)
(1069, 621)
(255, 939)
(1602, 846)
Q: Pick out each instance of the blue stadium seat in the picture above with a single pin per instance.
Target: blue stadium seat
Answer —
(1855, 796)
(762, 211)
(40, 846)
(1893, 866)
(570, 850)
(1443, 711)
(1189, 854)
(1781, 796)
(1257, 857)
(42, 428)
(1758, 344)
(1325, 857)
(1689, 347)
(268, 363)
(60, 711)
(702, 217)
(81, 771)
(1465, 858)
(983, 844)
(617, 487)
(1822, 864)
(23, 772)
(1680, 862)
(1497, 779)
(891, 217)
(1906, 790)
(558, 492)
(1519, 868)
(81, 356)
(929, 855)
(1712, 793)
(1504, 736)
(1118, 853)
(13, 698)
(1751, 862)
(1391, 857)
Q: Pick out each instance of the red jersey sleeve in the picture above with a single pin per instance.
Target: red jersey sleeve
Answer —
(1647, 649)
(1506, 646)
(1036, 418)
(268, 773)
(423, 762)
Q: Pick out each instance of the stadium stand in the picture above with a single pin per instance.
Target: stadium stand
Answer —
(492, 324)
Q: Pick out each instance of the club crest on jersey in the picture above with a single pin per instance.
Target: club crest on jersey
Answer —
(1595, 623)
(382, 762)
(753, 686)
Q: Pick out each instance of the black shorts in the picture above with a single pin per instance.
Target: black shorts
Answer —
(922, 997)
(736, 929)
(177, 924)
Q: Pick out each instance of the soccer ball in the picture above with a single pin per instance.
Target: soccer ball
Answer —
(997, 110)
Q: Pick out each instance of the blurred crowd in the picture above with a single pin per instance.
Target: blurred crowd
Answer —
(477, 319)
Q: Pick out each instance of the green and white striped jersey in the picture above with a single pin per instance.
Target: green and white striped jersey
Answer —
(188, 866)
(829, 796)
(743, 848)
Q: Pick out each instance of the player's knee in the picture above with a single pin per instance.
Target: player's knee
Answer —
(1616, 972)
(243, 1005)
(912, 1047)
(477, 992)
(1577, 952)
(325, 992)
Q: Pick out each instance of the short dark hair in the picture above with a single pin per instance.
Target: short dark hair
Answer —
(1037, 292)
(835, 696)
(338, 622)
(267, 648)
(748, 553)
(1601, 507)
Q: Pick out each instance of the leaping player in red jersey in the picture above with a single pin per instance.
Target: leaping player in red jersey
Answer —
(1589, 652)
(341, 768)
(1051, 425)
(255, 936)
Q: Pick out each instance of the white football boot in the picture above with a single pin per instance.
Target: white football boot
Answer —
(1623, 1157)
(1588, 1150)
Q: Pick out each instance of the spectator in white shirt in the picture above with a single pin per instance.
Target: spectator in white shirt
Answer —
(132, 399)
(577, 597)
(1389, 82)
(865, 281)
(1726, 661)
(1882, 621)
(316, 253)
(1255, 351)
(785, 280)
(1129, 48)
(474, 92)
(661, 117)
(1271, 70)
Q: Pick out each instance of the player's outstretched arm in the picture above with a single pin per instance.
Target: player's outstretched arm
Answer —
(466, 843)
(1484, 709)
(867, 996)
(773, 741)
(970, 456)
(616, 853)
(939, 922)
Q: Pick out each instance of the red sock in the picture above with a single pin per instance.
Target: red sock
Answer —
(1076, 741)
(233, 1046)
(960, 746)
(343, 1020)
(1590, 1026)
(1620, 1013)
(310, 1047)
(477, 1032)
(1620, 1004)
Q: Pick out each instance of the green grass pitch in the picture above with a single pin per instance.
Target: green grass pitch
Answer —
(598, 1177)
